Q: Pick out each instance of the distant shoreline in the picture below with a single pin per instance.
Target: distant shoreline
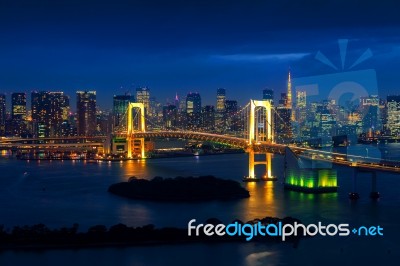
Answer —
(130, 159)
(39, 237)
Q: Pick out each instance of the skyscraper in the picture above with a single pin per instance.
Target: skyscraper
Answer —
(156, 113)
(289, 92)
(193, 103)
(143, 96)
(232, 117)
(86, 112)
(120, 107)
(208, 118)
(49, 110)
(60, 110)
(170, 116)
(268, 94)
(2, 114)
(283, 101)
(180, 104)
(393, 115)
(18, 114)
(301, 99)
(282, 121)
(193, 109)
(221, 97)
(176, 100)
(369, 107)
(18, 106)
(220, 115)
(301, 130)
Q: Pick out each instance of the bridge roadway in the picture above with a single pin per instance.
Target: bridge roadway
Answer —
(51, 139)
(258, 147)
(224, 139)
(53, 143)
(264, 147)
(52, 146)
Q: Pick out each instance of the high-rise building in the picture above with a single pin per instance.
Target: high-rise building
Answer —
(383, 115)
(393, 115)
(289, 92)
(302, 131)
(176, 100)
(18, 114)
(170, 116)
(120, 107)
(60, 109)
(283, 101)
(143, 96)
(327, 123)
(208, 118)
(301, 99)
(48, 111)
(86, 112)
(181, 112)
(104, 122)
(18, 106)
(369, 108)
(283, 126)
(156, 114)
(268, 95)
(231, 107)
(220, 115)
(2, 114)
(193, 110)
(221, 97)
(282, 121)
(232, 117)
(193, 103)
(181, 104)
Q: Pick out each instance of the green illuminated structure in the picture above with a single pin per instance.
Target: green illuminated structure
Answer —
(308, 176)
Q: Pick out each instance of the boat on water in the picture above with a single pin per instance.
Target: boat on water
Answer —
(91, 161)
(269, 178)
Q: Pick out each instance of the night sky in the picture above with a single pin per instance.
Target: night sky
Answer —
(182, 46)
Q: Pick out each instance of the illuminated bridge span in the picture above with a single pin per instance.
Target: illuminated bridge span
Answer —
(53, 146)
(75, 143)
(256, 125)
(257, 138)
(70, 139)
(261, 148)
(216, 138)
(203, 136)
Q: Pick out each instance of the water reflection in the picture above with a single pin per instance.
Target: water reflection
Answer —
(5, 153)
(301, 196)
(269, 197)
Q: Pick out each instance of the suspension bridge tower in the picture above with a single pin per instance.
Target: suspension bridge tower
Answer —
(259, 132)
(135, 145)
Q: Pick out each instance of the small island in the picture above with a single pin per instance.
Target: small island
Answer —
(203, 188)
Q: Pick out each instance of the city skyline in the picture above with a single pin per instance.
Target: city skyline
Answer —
(210, 95)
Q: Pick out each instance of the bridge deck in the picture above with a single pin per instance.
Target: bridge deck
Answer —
(262, 147)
